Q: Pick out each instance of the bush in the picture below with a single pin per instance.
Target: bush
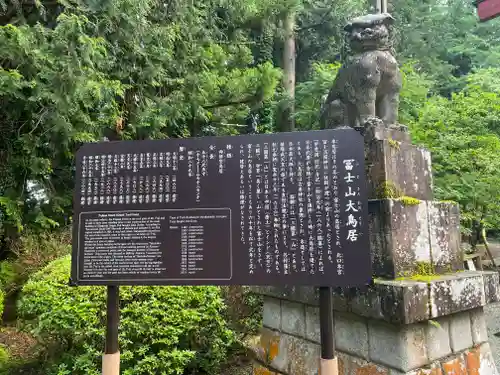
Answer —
(4, 357)
(163, 330)
(7, 274)
(30, 253)
(244, 312)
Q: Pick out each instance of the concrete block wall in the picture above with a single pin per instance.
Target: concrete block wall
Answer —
(456, 344)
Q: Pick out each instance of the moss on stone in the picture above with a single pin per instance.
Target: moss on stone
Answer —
(424, 278)
(425, 272)
(394, 144)
(435, 324)
(409, 201)
(425, 268)
(389, 189)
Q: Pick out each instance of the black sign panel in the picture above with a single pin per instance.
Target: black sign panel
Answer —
(287, 208)
(487, 9)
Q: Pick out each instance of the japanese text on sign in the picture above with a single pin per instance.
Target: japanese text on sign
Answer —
(285, 208)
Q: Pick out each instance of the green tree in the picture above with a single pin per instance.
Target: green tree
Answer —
(463, 134)
(121, 69)
(446, 39)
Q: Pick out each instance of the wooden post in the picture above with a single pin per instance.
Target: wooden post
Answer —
(328, 365)
(111, 357)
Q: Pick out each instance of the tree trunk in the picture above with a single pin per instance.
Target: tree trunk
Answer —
(485, 242)
(289, 55)
(380, 6)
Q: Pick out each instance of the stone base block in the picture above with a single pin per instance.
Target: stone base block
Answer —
(397, 169)
(444, 229)
(399, 237)
(379, 133)
(285, 354)
(396, 302)
(451, 345)
(472, 361)
(453, 293)
(410, 237)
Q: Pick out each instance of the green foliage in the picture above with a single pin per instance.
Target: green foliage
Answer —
(7, 274)
(414, 93)
(4, 357)
(463, 134)
(163, 330)
(2, 298)
(487, 80)
(310, 95)
(124, 69)
(446, 39)
(244, 311)
(319, 32)
(31, 252)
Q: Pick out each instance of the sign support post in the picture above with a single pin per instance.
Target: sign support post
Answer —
(111, 358)
(329, 365)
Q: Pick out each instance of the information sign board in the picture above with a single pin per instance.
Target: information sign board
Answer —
(487, 9)
(286, 208)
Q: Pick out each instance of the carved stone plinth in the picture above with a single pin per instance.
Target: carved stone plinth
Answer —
(382, 132)
(408, 236)
(399, 237)
(444, 229)
(395, 167)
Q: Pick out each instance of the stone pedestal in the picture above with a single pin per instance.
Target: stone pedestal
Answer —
(409, 236)
(422, 315)
(395, 327)
(395, 167)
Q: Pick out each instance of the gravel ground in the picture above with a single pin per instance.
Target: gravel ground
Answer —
(492, 314)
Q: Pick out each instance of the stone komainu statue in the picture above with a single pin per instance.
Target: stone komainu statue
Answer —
(368, 83)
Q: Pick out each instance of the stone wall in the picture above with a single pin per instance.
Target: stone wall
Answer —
(369, 343)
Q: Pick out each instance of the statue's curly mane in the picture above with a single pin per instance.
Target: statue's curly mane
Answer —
(346, 50)
(368, 83)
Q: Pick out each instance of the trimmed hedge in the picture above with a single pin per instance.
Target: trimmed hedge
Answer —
(163, 330)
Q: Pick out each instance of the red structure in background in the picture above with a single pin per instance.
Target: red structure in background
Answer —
(487, 9)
